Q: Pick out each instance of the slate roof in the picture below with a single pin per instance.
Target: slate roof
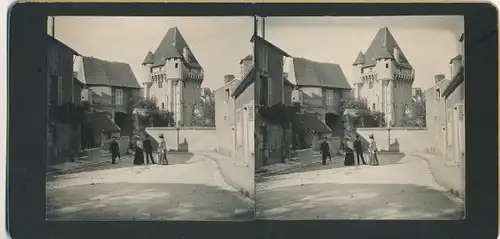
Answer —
(360, 59)
(310, 122)
(53, 40)
(172, 46)
(245, 83)
(149, 59)
(108, 73)
(102, 122)
(319, 74)
(382, 46)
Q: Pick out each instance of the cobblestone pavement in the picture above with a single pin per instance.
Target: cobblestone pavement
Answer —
(191, 188)
(399, 188)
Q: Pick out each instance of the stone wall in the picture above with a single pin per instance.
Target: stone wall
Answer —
(195, 139)
(401, 139)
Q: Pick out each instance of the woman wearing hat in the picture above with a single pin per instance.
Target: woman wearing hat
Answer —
(372, 151)
(162, 151)
(139, 152)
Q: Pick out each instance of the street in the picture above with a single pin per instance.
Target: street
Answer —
(190, 188)
(401, 187)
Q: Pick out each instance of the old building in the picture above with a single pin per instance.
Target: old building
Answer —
(109, 87)
(435, 114)
(224, 115)
(174, 77)
(63, 90)
(383, 77)
(269, 92)
(320, 86)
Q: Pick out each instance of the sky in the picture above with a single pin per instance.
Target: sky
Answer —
(218, 43)
(429, 42)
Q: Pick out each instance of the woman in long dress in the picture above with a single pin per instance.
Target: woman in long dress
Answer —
(139, 152)
(372, 152)
(162, 151)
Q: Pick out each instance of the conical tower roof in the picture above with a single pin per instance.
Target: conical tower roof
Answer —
(360, 59)
(382, 46)
(149, 59)
(172, 46)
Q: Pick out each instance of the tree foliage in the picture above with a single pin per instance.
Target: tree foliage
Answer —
(152, 116)
(204, 113)
(367, 117)
(416, 116)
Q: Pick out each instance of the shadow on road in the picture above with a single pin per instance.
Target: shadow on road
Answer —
(127, 162)
(145, 201)
(355, 201)
(385, 158)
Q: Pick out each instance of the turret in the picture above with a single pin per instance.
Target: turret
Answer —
(357, 74)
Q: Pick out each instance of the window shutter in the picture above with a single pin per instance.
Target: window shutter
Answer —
(250, 111)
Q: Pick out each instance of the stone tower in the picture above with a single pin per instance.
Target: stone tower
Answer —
(174, 77)
(384, 78)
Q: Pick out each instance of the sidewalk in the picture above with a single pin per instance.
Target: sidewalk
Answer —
(238, 174)
(448, 176)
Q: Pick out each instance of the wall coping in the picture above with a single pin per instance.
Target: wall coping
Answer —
(180, 128)
(392, 129)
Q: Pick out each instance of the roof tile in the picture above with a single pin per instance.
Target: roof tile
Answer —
(109, 73)
(320, 74)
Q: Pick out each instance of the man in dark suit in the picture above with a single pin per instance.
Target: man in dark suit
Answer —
(148, 148)
(115, 150)
(325, 151)
(358, 147)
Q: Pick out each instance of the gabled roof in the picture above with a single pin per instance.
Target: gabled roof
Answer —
(310, 122)
(247, 58)
(382, 46)
(319, 74)
(149, 59)
(360, 59)
(258, 39)
(245, 83)
(57, 42)
(456, 58)
(108, 73)
(172, 46)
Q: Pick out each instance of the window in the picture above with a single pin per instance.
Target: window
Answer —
(329, 98)
(438, 94)
(160, 84)
(373, 106)
(227, 96)
(118, 96)
(176, 65)
(362, 70)
(270, 91)
(59, 90)
(386, 66)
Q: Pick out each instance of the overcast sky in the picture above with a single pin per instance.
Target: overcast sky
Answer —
(219, 43)
(429, 42)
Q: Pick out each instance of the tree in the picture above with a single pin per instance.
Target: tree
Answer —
(416, 115)
(151, 115)
(204, 113)
(366, 117)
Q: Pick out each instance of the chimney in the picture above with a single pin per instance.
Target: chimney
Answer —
(185, 54)
(396, 53)
(246, 64)
(228, 78)
(438, 78)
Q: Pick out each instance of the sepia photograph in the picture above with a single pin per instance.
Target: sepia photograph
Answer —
(149, 119)
(360, 118)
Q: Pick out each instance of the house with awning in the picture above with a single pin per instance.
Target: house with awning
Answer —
(99, 129)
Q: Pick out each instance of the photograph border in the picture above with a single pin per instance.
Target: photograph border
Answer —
(27, 137)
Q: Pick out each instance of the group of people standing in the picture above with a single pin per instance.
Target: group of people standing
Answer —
(141, 148)
(349, 154)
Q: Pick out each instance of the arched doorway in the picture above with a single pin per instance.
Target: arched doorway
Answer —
(332, 120)
(124, 122)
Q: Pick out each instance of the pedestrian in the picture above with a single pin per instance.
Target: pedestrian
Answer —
(372, 150)
(148, 149)
(139, 155)
(115, 150)
(358, 148)
(325, 151)
(162, 151)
